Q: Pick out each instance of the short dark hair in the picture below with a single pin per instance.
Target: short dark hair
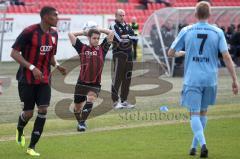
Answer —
(47, 10)
(93, 31)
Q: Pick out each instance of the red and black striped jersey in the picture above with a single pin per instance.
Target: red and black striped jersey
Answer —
(37, 47)
(91, 61)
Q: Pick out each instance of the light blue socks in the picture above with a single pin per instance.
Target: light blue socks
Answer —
(198, 124)
(204, 123)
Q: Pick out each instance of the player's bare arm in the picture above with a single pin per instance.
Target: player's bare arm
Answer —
(109, 33)
(61, 69)
(105, 31)
(110, 37)
(73, 36)
(229, 64)
(18, 58)
(173, 53)
(180, 54)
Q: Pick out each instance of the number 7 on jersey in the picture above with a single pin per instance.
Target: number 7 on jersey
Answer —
(203, 37)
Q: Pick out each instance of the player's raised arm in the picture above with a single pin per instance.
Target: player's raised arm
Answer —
(73, 36)
(105, 31)
(110, 37)
(109, 33)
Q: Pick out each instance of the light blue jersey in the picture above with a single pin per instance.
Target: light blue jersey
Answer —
(202, 43)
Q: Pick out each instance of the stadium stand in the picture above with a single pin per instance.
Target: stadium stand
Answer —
(99, 7)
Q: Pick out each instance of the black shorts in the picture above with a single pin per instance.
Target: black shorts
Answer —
(82, 89)
(31, 94)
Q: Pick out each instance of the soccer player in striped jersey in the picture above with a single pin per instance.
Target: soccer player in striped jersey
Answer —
(92, 58)
(202, 42)
(34, 49)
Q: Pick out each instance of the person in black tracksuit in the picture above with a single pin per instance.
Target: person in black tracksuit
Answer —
(122, 60)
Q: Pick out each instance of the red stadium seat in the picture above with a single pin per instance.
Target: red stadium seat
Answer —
(99, 7)
(10, 9)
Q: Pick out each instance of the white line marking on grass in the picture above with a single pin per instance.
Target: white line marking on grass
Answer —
(119, 127)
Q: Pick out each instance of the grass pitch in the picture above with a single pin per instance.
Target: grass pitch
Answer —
(143, 133)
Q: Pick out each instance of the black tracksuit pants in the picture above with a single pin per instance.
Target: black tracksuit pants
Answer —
(121, 75)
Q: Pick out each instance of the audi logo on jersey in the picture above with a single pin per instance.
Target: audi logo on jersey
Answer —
(45, 49)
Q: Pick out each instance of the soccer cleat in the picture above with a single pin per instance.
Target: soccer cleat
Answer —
(193, 152)
(127, 105)
(118, 105)
(204, 152)
(20, 138)
(81, 126)
(32, 152)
